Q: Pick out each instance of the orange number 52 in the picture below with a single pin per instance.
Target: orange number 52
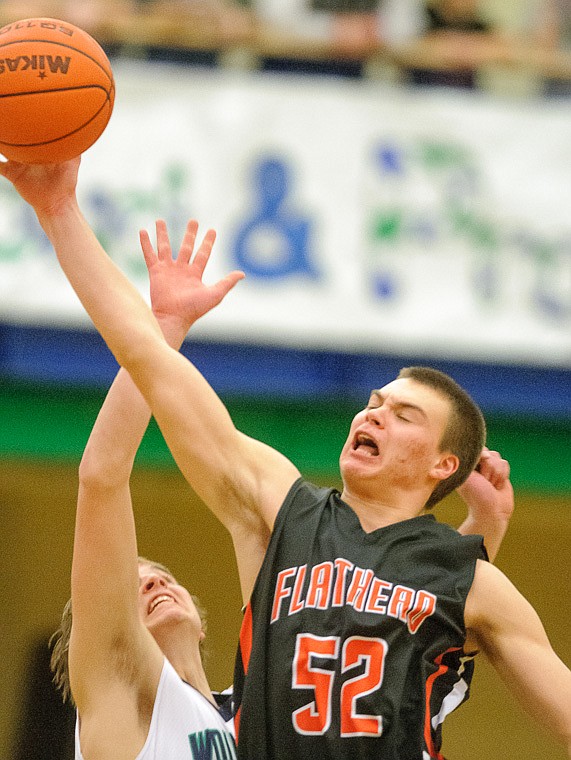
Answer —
(356, 652)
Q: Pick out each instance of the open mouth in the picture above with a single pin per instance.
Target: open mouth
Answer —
(159, 600)
(366, 445)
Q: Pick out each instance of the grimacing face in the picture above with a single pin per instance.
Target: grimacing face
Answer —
(396, 439)
(163, 601)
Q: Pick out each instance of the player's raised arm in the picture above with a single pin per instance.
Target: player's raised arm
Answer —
(238, 478)
(105, 574)
(250, 534)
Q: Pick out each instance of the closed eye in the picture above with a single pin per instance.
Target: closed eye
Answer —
(375, 401)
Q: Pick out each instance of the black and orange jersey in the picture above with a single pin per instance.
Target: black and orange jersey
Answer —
(352, 644)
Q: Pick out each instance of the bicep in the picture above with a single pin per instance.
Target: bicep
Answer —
(231, 472)
(104, 577)
(107, 635)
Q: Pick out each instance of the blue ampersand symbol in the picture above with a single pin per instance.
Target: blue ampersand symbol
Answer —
(274, 242)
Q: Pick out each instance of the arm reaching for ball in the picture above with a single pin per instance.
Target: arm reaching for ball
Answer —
(243, 481)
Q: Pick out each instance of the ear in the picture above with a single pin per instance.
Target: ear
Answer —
(445, 467)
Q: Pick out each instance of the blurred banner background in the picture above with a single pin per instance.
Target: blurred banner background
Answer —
(365, 217)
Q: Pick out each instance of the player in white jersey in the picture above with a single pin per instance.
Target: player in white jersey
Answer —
(130, 655)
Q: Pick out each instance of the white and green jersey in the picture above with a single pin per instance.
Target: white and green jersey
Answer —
(184, 725)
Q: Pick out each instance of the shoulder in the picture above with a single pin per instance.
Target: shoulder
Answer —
(494, 605)
(302, 511)
(466, 546)
(306, 489)
(304, 495)
(490, 585)
(185, 706)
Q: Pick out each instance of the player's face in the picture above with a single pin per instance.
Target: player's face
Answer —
(163, 601)
(396, 438)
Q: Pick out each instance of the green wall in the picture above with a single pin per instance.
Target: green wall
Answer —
(45, 422)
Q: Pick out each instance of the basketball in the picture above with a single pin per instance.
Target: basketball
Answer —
(56, 91)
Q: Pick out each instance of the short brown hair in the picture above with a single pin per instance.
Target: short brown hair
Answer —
(465, 433)
(59, 640)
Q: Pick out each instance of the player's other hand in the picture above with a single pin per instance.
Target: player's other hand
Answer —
(488, 490)
(179, 296)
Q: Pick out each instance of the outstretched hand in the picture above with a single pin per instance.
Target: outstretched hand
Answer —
(179, 297)
(44, 186)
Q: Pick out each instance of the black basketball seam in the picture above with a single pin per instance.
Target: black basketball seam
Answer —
(61, 137)
(59, 89)
(62, 44)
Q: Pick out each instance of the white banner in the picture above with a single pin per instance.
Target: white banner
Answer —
(365, 217)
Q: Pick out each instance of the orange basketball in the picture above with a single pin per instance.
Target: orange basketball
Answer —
(56, 91)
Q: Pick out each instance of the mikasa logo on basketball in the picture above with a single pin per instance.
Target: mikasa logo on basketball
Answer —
(37, 23)
(42, 64)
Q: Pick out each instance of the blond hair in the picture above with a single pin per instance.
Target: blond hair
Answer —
(59, 640)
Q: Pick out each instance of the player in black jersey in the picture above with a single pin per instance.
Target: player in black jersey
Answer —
(362, 627)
